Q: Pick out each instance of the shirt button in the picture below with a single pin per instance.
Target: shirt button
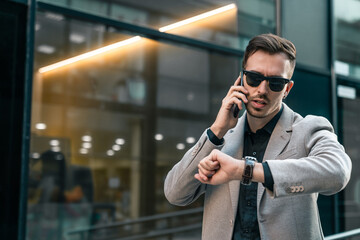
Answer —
(248, 203)
(246, 230)
(254, 153)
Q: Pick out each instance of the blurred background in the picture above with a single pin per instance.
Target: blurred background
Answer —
(113, 100)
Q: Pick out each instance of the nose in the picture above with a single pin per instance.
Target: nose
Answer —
(263, 87)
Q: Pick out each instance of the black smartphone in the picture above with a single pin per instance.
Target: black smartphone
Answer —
(236, 109)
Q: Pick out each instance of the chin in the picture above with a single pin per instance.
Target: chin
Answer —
(257, 113)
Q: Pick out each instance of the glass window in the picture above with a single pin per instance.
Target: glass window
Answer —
(347, 17)
(227, 23)
(350, 211)
(311, 40)
(106, 130)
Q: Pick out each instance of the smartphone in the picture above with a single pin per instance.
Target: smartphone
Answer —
(236, 109)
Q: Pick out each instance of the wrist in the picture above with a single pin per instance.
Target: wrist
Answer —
(213, 138)
(218, 131)
(258, 173)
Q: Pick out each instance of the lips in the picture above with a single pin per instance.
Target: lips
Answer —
(258, 103)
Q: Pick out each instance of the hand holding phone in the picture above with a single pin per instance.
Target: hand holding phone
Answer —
(226, 118)
(236, 108)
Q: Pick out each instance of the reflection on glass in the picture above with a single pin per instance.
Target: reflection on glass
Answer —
(347, 16)
(106, 130)
(232, 28)
(350, 217)
(156, 14)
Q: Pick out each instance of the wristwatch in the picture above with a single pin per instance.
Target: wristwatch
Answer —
(248, 170)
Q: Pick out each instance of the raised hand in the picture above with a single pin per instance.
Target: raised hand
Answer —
(225, 119)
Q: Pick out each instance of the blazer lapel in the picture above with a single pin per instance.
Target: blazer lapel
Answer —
(278, 141)
(234, 147)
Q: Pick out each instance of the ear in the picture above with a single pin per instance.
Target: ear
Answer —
(288, 88)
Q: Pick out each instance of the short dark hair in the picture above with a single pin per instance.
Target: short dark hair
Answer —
(271, 44)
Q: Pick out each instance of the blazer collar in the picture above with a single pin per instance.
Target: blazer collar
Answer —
(280, 135)
(235, 147)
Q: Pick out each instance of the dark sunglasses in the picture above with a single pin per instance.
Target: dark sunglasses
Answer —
(276, 84)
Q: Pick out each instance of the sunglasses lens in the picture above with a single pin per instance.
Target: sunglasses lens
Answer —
(276, 85)
(253, 79)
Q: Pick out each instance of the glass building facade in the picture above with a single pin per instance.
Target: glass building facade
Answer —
(117, 99)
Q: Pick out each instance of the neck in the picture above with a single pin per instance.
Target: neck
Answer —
(256, 123)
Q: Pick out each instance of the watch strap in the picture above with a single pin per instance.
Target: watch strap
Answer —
(248, 170)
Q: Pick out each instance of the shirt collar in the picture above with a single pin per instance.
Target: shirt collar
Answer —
(269, 127)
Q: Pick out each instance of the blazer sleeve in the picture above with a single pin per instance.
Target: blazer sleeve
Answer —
(316, 163)
(180, 187)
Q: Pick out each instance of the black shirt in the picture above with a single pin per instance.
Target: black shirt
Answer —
(246, 224)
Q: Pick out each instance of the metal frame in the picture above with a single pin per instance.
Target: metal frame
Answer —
(278, 17)
(344, 235)
(334, 109)
(27, 119)
(141, 220)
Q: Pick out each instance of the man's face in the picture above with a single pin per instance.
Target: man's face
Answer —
(262, 101)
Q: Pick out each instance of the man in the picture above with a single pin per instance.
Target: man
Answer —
(289, 159)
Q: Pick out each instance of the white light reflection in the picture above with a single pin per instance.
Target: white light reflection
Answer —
(84, 151)
(86, 138)
(190, 140)
(116, 148)
(54, 142)
(40, 126)
(120, 141)
(86, 145)
(55, 148)
(180, 146)
(159, 137)
(35, 155)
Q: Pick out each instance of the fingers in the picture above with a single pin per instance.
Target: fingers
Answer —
(237, 81)
(236, 95)
(207, 168)
(201, 179)
(208, 165)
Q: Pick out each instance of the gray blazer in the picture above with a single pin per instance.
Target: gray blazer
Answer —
(305, 159)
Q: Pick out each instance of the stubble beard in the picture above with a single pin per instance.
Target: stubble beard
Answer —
(257, 112)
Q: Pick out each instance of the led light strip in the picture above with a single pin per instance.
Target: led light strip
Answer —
(134, 39)
(198, 17)
(89, 54)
